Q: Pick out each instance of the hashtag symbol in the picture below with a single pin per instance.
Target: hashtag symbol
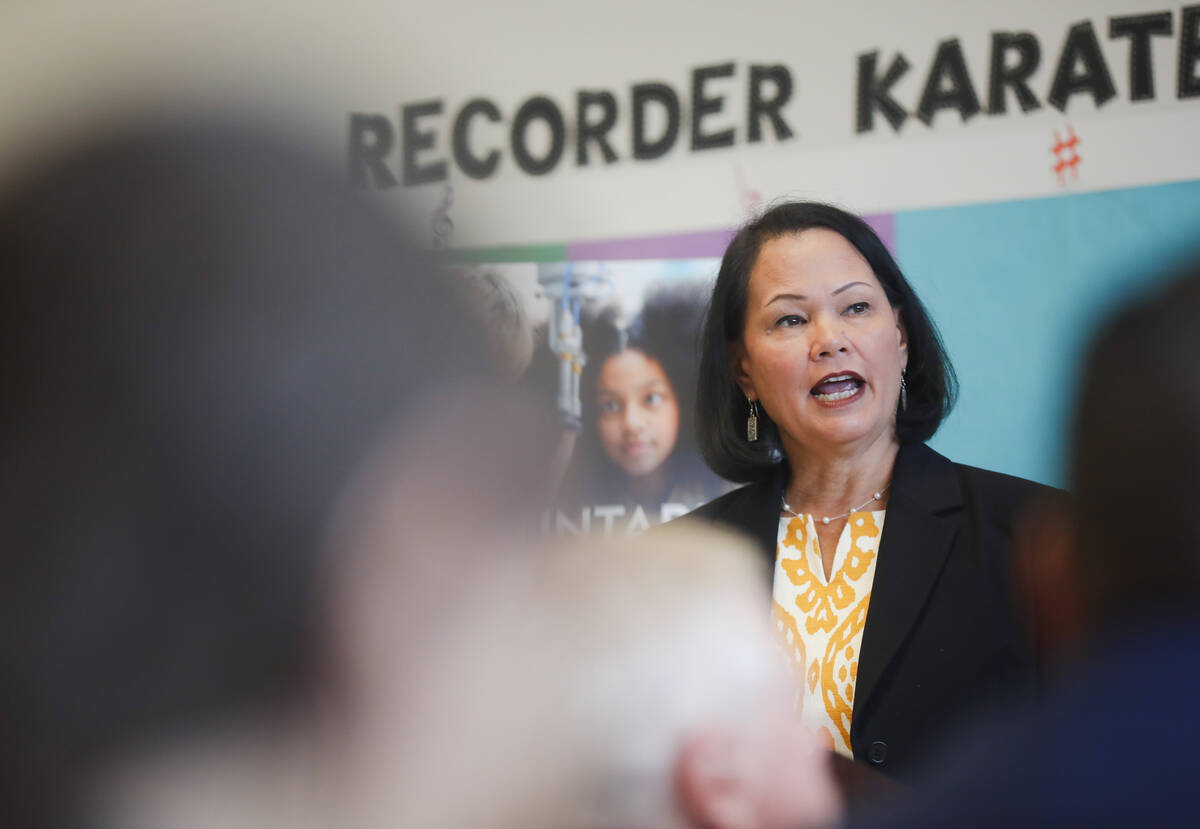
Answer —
(1065, 155)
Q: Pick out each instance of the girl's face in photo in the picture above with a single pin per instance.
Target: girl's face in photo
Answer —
(637, 412)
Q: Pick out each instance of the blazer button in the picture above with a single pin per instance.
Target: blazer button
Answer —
(877, 753)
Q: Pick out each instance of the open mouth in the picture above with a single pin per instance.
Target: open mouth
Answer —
(833, 388)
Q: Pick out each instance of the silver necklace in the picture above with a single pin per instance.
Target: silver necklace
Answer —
(826, 519)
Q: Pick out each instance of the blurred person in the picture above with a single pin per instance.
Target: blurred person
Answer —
(607, 683)
(514, 311)
(822, 376)
(1111, 583)
(512, 307)
(203, 337)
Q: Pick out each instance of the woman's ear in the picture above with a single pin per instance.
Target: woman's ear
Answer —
(902, 334)
(737, 367)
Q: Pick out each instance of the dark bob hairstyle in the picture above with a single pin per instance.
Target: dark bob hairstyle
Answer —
(721, 408)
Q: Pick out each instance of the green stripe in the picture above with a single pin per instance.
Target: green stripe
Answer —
(515, 253)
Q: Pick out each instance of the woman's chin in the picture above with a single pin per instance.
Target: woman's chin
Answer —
(847, 432)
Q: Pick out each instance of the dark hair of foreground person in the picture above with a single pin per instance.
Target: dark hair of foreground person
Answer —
(201, 334)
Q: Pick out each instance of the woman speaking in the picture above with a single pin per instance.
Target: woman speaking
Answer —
(821, 377)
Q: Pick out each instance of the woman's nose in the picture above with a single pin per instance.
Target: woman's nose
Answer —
(828, 337)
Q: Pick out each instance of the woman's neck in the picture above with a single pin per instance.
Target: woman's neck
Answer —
(832, 482)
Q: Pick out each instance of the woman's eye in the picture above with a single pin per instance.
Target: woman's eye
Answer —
(653, 398)
(858, 308)
(789, 321)
(609, 407)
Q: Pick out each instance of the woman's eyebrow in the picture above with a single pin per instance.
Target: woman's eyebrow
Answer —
(850, 285)
(778, 297)
(802, 297)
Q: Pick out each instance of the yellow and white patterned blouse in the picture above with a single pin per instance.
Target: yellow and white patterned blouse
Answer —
(820, 622)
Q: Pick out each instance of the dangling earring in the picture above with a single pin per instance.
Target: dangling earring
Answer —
(903, 392)
(752, 422)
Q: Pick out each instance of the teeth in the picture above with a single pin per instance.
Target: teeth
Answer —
(841, 395)
(839, 378)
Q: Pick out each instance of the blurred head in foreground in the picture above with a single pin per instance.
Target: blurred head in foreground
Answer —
(629, 684)
(1128, 545)
(202, 335)
(1137, 453)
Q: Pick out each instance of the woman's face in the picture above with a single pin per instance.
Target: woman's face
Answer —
(822, 349)
(638, 414)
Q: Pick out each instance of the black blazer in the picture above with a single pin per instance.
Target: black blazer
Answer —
(942, 633)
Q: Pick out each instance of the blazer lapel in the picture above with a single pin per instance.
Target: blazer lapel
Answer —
(917, 536)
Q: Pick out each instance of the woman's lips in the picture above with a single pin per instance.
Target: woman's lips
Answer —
(837, 388)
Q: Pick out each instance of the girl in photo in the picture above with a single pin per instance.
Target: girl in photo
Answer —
(638, 446)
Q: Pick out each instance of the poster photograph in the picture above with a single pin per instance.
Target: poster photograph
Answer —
(611, 347)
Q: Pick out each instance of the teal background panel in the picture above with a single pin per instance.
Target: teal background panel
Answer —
(1017, 288)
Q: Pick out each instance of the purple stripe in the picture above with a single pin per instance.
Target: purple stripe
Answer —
(678, 246)
(692, 245)
(885, 225)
